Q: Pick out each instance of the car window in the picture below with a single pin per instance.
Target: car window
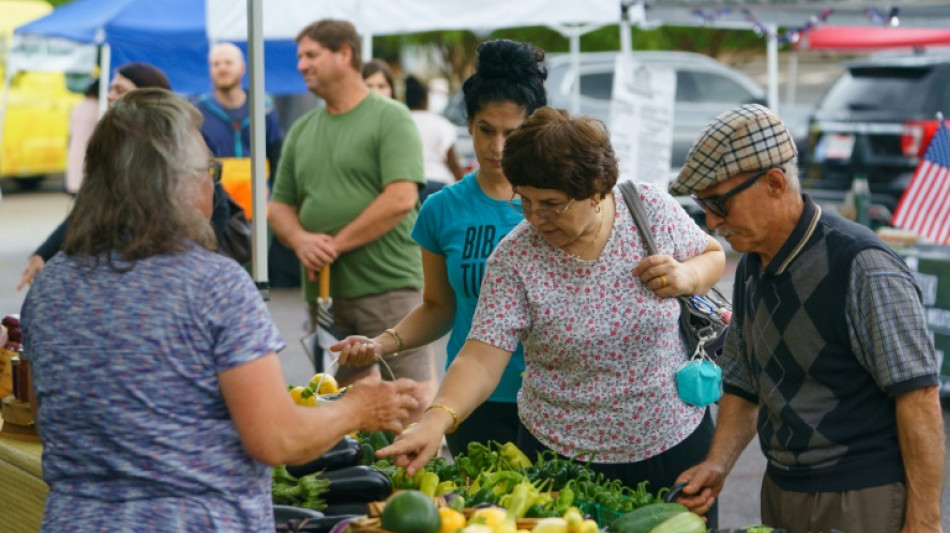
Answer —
(714, 88)
(878, 88)
(598, 85)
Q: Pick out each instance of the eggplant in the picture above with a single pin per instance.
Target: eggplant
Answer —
(323, 524)
(346, 509)
(356, 484)
(345, 453)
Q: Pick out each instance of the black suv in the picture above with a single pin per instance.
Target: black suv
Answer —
(876, 120)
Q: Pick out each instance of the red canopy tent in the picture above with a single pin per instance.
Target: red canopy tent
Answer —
(857, 38)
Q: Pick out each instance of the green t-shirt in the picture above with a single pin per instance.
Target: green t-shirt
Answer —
(332, 167)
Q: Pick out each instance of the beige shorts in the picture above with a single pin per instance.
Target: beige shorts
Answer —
(370, 316)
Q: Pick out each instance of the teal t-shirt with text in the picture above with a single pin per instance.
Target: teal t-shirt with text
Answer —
(463, 224)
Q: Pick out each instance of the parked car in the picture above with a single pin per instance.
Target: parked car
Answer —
(876, 120)
(704, 89)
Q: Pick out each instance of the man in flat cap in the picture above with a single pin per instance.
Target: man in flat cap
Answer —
(828, 357)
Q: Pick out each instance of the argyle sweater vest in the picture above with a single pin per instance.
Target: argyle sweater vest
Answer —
(823, 423)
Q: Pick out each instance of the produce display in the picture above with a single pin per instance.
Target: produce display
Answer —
(491, 488)
(11, 337)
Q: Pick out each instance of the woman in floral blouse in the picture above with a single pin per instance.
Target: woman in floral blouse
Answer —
(573, 283)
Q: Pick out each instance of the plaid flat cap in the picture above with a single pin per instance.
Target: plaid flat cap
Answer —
(744, 139)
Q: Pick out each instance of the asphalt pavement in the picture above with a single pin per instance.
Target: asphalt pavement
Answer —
(27, 218)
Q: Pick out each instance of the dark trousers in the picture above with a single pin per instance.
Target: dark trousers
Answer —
(491, 421)
(660, 470)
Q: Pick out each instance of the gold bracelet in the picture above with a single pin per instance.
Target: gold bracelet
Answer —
(398, 339)
(449, 410)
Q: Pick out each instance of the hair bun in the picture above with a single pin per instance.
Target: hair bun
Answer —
(510, 60)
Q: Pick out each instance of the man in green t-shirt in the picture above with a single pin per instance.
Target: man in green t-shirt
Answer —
(346, 195)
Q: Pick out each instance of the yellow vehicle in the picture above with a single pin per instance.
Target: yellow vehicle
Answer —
(36, 116)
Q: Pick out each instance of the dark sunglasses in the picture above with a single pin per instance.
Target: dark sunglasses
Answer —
(717, 204)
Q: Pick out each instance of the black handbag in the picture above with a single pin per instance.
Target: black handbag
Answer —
(702, 318)
(236, 241)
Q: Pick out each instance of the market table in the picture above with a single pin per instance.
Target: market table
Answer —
(22, 489)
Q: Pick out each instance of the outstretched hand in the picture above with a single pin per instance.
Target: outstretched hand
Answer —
(33, 268)
(415, 446)
(704, 483)
(357, 350)
(383, 405)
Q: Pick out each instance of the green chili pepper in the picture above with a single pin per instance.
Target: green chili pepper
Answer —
(515, 457)
(401, 479)
(565, 498)
(445, 487)
(428, 483)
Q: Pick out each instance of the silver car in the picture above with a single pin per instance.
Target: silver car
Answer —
(704, 89)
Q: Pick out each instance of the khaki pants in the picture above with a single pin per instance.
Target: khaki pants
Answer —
(872, 510)
(370, 316)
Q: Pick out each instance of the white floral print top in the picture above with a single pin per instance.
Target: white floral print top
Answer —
(601, 350)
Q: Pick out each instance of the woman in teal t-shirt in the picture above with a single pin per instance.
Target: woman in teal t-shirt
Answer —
(458, 228)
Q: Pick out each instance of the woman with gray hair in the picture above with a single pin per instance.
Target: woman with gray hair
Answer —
(145, 345)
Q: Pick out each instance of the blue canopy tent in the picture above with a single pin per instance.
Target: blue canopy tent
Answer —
(170, 35)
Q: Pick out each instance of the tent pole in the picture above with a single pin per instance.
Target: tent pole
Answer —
(105, 65)
(626, 42)
(772, 55)
(255, 55)
(792, 83)
(367, 45)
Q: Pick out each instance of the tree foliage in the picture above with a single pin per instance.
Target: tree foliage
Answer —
(456, 49)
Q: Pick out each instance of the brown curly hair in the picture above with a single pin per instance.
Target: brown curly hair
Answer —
(556, 150)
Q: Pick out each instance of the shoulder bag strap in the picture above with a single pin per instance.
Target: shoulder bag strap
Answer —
(632, 198)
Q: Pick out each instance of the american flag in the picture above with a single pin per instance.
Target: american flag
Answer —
(924, 207)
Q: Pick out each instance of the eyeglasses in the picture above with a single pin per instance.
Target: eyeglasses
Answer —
(717, 204)
(546, 214)
(214, 170)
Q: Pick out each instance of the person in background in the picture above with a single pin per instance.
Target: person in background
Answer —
(227, 130)
(379, 77)
(346, 195)
(827, 358)
(145, 344)
(438, 140)
(82, 120)
(227, 110)
(459, 227)
(596, 315)
(127, 77)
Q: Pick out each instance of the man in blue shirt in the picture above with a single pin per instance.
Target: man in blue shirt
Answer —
(226, 129)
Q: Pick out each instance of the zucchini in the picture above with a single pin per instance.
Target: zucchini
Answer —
(681, 523)
(345, 453)
(644, 519)
(356, 484)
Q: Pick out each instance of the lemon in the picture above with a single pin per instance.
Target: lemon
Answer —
(329, 385)
(303, 396)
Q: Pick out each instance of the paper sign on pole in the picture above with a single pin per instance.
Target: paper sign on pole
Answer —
(641, 120)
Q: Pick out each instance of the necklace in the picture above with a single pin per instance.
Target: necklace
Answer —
(582, 256)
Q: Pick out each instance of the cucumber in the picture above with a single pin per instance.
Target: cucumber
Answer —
(681, 523)
(646, 518)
